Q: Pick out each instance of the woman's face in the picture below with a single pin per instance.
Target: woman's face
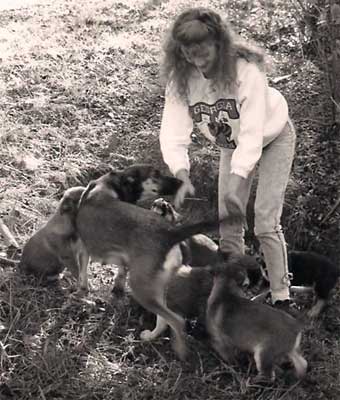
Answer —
(203, 56)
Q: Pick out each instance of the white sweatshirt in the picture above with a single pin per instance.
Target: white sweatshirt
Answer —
(246, 121)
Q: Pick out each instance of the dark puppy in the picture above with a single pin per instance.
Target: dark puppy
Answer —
(311, 271)
(198, 250)
(116, 232)
(235, 322)
(56, 245)
(315, 270)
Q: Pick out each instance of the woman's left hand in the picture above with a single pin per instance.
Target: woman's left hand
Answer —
(237, 196)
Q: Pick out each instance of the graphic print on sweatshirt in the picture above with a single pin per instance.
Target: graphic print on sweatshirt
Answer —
(217, 118)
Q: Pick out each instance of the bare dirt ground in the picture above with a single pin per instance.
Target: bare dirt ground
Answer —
(79, 89)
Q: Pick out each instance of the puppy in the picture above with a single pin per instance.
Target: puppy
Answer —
(235, 322)
(198, 250)
(120, 233)
(56, 245)
(135, 183)
(188, 289)
(311, 272)
(188, 294)
(315, 270)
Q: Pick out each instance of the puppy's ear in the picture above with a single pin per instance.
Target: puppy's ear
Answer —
(86, 192)
(67, 205)
(115, 179)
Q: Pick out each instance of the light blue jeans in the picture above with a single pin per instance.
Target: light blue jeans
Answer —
(274, 170)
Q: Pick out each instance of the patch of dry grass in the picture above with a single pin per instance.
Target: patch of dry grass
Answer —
(79, 89)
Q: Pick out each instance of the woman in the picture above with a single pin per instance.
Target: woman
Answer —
(219, 84)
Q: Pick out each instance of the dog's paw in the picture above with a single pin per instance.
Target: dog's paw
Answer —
(83, 285)
(261, 379)
(79, 293)
(146, 335)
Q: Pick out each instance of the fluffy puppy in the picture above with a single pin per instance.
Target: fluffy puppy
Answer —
(311, 272)
(56, 244)
(314, 270)
(198, 250)
(235, 322)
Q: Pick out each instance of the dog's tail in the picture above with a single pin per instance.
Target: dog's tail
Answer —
(184, 231)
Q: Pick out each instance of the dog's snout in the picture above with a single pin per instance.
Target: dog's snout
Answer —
(246, 281)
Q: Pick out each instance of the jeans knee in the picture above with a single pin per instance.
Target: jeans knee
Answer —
(267, 229)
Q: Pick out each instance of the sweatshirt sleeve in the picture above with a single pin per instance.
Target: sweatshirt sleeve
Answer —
(176, 128)
(252, 92)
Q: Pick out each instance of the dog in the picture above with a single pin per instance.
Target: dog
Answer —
(134, 238)
(311, 272)
(235, 322)
(133, 184)
(188, 290)
(187, 294)
(318, 272)
(56, 244)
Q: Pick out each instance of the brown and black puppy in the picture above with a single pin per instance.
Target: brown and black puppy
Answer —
(311, 272)
(235, 322)
(56, 245)
(120, 233)
(188, 293)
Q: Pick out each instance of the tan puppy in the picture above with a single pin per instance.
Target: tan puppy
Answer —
(235, 322)
(120, 233)
(57, 245)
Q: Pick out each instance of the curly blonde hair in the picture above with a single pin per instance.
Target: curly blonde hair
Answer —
(175, 68)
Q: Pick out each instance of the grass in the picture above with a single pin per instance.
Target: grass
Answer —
(80, 90)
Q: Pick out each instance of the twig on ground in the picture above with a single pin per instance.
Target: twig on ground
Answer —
(9, 238)
(7, 261)
(336, 205)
